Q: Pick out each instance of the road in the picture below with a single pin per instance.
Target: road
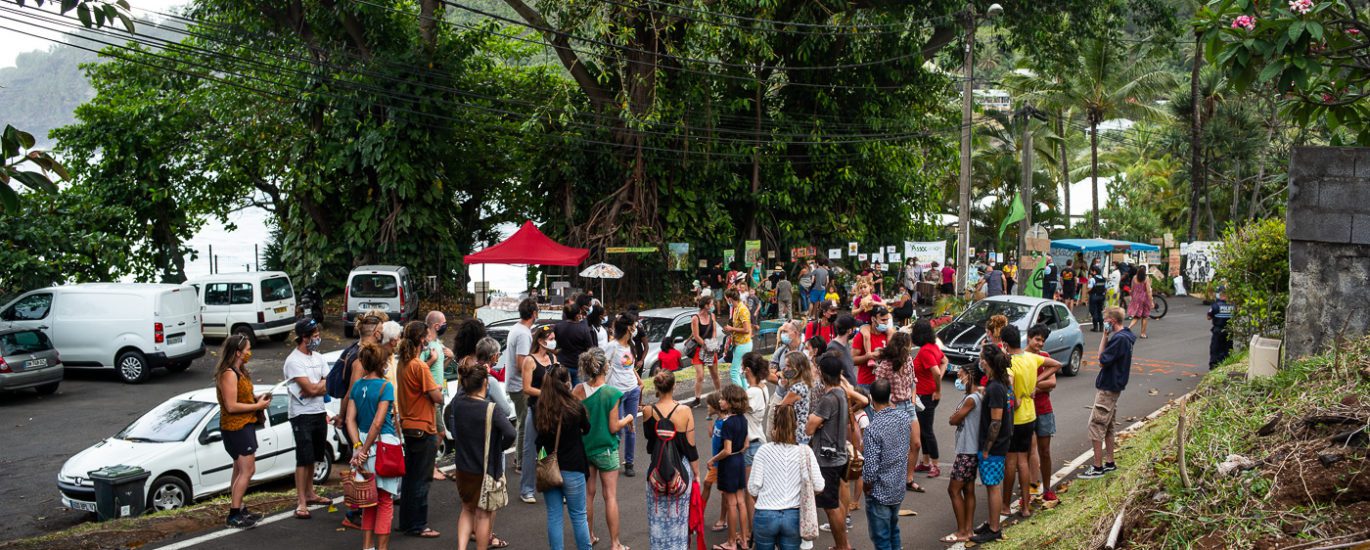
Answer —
(1169, 363)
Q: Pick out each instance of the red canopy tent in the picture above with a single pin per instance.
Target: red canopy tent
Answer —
(528, 246)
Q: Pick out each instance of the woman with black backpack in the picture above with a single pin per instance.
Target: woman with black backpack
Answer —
(670, 431)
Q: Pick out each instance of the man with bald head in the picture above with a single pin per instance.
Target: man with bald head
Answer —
(435, 356)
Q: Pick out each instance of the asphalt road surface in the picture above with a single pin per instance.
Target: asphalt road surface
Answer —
(48, 430)
(1168, 363)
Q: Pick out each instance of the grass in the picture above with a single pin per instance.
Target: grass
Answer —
(1224, 415)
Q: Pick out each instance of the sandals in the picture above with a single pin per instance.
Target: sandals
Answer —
(303, 513)
(914, 487)
(319, 500)
(953, 539)
(719, 527)
(425, 534)
(496, 542)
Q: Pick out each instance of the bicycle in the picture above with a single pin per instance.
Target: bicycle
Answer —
(1159, 307)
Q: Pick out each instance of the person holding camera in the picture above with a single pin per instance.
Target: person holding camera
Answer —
(1115, 363)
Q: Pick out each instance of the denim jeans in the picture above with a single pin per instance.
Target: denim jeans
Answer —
(529, 477)
(883, 522)
(776, 529)
(572, 491)
(520, 402)
(419, 456)
(628, 407)
(735, 369)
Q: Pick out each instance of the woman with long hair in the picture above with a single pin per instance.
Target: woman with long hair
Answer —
(798, 375)
(668, 516)
(621, 373)
(776, 487)
(562, 423)
(929, 365)
(895, 364)
(541, 356)
(602, 403)
(241, 411)
(1139, 308)
(995, 324)
(369, 420)
(469, 414)
(703, 325)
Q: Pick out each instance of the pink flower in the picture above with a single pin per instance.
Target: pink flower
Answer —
(1353, 32)
(1244, 22)
(1301, 7)
(1326, 98)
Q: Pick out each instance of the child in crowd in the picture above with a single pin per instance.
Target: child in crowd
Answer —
(832, 295)
(669, 358)
(860, 420)
(731, 466)
(966, 418)
(714, 402)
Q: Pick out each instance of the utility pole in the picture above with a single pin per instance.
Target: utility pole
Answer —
(211, 259)
(963, 199)
(1025, 189)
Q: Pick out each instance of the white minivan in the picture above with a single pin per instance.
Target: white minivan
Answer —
(129, 327)
(386, 288)
(253, 304)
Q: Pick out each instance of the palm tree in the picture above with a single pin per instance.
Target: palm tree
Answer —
(1104, 83)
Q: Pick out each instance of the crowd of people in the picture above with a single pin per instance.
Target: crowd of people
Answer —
(839, 416)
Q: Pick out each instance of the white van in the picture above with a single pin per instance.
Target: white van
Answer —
(386, 288)
(130, 327)
(253, 304)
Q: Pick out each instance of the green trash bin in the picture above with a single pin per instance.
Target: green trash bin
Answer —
(119, 491)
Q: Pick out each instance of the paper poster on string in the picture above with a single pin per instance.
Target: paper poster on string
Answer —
(834, 253)
(852, 249)
(877, 258)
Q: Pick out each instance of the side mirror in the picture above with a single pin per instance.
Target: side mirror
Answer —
(211, 437)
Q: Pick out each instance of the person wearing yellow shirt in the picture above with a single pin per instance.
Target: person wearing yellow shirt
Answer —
(741, 330)
(1024, 374)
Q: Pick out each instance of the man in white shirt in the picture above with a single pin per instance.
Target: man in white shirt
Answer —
(305, 374)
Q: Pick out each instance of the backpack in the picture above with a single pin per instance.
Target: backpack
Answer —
(664, 475)
(337, 381)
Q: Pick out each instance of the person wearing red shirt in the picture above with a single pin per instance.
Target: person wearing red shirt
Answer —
(825, 312)
(1046, 417)
(870, 338)
(668, 359)
(928, 367)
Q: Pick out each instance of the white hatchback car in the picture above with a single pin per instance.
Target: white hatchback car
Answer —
(179, 444)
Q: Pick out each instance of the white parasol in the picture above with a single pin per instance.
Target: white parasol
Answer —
(602, 271)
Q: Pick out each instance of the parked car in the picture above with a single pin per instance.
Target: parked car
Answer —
(387, 288)
(129, 327)
(658, 323)
(961, 338)
(179, 444)
(253, 304)
(499, 330)
(28, 360)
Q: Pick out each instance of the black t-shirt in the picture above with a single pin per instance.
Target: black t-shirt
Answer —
(539, 372)
(467, 417)
(573, 339)
(570, 448)
(996, 397)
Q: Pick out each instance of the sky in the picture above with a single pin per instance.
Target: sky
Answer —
(16, 43)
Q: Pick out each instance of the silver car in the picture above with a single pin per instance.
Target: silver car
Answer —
(962, 337)
(28, 360)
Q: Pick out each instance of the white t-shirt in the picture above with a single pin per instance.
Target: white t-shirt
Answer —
(311, 366)
(757, 401)
(621, 375)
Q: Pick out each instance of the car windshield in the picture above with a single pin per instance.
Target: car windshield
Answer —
(656, 327)
(170, 421)
(373, 285)
(983, 310)
(24, 342)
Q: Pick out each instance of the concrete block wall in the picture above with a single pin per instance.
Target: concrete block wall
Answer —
(1328, 227)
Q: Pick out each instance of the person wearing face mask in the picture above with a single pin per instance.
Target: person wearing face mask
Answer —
(418, 396)
(703, 329)
(1115, 363)
(305, 373)
(845, 330)
(435, 355)
(869, 340)
(824, 313)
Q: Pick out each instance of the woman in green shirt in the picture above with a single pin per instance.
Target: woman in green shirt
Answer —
(601, 443)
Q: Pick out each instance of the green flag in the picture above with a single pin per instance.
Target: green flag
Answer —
(1015, 213)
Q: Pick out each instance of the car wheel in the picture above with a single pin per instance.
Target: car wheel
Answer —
(1072, 367)
(132, 367)
(246, 332)
(322, 469)
(48, 389)
(179, 366)
(168, 493)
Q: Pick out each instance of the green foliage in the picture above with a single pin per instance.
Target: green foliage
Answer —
(52, 239)
(1253, 263)
(16, 148)
(1316, 58)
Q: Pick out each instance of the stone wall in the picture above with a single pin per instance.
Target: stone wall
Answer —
(1329, 248)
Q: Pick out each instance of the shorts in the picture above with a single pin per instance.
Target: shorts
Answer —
(992, 470)
(240, 442)
(468, 486)
(711, 476)
(752, 447)
(606, 461)
(832, 486)
(1046, 424)
(1105, 412)
(311, 438)
(1022, 437)
(963, 469)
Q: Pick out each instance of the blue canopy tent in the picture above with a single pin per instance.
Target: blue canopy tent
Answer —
(1101, 245)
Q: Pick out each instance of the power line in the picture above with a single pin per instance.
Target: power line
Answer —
(827, 28)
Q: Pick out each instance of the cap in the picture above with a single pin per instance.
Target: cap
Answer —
(305, 326)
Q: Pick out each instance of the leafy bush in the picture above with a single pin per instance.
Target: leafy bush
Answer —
(1253, 263)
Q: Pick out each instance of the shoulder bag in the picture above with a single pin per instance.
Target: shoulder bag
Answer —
(808, 509)
(494, 494)
(548, 470)
(389, 456)
(691, 346)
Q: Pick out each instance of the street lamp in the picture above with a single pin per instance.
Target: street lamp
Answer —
(967, 93)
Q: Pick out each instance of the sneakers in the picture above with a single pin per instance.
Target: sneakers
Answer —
(982, 528)
(1109, 467)
(934, 471)
(1093, 472)
(241, 521)
(528, 499)
(249, 515)
(1050, 496)
(628, 470)
(827, 527)
(987, 536)
(920, 467)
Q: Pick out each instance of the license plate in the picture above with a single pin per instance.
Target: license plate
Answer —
(35, 363)
(175, 340)
(281, 309)
(78, 505)
(382, 306)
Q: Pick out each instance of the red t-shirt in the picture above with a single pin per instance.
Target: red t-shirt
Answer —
(669, 360)
(817, 329)
(929, 356)
(1042, 400)
(948, 275)
(865, 373)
